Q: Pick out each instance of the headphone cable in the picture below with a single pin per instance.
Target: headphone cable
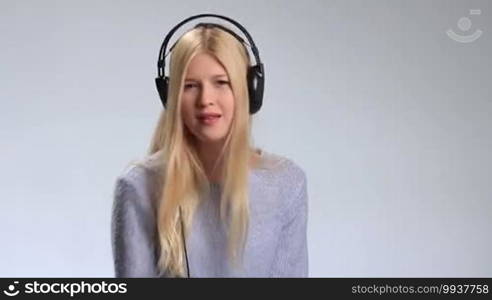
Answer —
(184, 243)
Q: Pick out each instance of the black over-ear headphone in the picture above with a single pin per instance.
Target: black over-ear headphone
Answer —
(255, 76)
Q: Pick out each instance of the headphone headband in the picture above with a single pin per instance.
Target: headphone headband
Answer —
(161, 63)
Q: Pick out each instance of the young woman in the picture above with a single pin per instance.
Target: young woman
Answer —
(204, 202)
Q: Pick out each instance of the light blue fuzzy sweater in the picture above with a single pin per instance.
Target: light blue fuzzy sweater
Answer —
(276, 245)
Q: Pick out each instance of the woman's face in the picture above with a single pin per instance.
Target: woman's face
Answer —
(207, 99)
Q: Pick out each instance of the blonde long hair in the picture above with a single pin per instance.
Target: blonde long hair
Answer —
(182, 176)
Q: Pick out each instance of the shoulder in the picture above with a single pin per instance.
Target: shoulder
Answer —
(287, 171)
(138, 171)
(139, 178)
(288, 176)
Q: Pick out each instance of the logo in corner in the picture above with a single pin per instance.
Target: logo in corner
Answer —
(464, 24)
(11, 290)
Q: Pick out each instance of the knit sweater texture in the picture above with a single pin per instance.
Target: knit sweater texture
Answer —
(276, 245)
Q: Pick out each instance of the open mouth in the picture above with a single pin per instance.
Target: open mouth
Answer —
(209, 120)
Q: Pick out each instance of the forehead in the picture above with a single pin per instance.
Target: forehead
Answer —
(204, 65)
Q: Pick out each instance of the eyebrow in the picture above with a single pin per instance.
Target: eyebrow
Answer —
(214, 76)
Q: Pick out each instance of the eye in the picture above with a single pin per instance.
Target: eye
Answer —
(223, 82)
(189, 85)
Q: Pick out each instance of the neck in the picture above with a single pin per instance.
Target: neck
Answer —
(209, 156)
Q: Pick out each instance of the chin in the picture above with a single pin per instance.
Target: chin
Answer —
(213, 139)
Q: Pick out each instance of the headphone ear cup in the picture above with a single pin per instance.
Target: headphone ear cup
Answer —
(255, 89)
(162, 88)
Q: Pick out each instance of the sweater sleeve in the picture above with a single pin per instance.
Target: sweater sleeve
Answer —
(292, 250)
(132, 231)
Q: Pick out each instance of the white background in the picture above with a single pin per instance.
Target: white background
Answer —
(389, 117)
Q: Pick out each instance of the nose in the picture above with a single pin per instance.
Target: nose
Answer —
(207, 96)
